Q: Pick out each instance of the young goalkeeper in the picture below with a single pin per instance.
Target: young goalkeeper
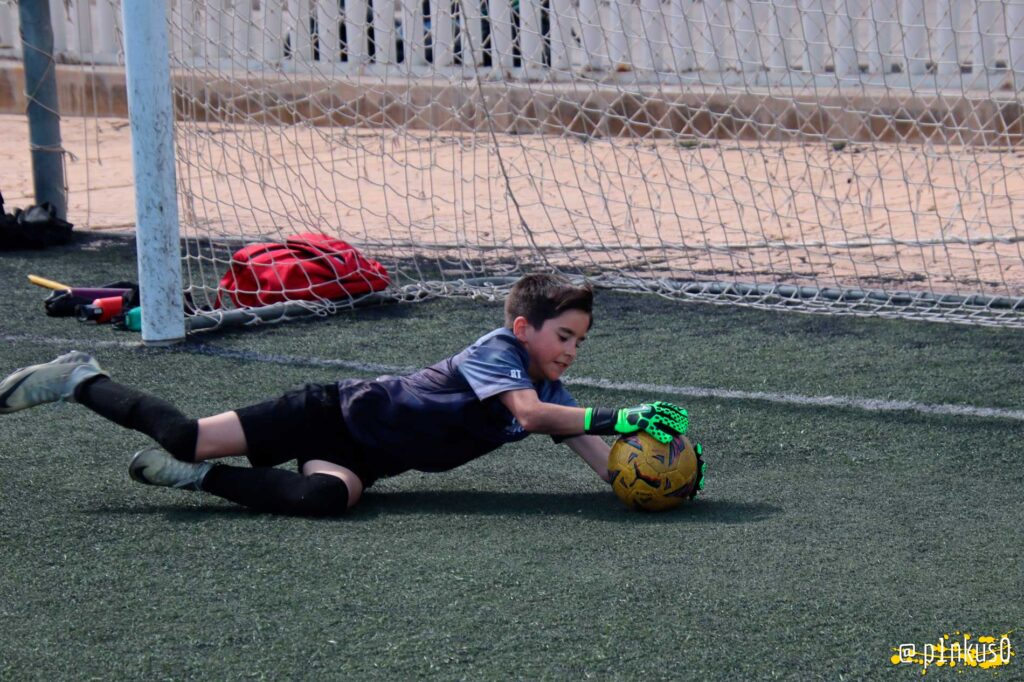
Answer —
(346, 435)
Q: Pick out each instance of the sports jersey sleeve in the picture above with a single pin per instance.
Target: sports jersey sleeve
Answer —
(556, 393)
(559, 396)
(495, 366)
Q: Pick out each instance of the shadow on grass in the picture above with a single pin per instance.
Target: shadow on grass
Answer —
(593, 505)
(214, 510)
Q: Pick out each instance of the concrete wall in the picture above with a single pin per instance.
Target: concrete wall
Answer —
(91, 91)
(528, 108)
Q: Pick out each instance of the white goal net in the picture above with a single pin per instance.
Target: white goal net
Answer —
(842, 156)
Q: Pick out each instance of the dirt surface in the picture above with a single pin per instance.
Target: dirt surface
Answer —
(885, 216)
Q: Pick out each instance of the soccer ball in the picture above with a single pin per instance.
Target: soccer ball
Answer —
(654, 476)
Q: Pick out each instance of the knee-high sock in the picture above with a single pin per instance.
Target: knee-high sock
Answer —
(140, 411)
(278, 491)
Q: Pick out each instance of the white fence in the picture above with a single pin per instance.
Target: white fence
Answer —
(942, 43)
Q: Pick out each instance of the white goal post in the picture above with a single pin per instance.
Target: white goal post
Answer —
(838, 156)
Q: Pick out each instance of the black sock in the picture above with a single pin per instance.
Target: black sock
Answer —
(278, 491)
(134, 409)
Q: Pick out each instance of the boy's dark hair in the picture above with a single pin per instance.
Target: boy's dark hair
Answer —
(540, 297)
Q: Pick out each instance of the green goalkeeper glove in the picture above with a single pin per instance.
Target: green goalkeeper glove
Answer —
(661, 420)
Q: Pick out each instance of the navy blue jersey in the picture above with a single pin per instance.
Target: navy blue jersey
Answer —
(447, 414)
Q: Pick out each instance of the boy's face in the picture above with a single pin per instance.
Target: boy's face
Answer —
(553, 347)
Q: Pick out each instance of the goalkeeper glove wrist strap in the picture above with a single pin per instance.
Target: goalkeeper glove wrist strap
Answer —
(600, 421)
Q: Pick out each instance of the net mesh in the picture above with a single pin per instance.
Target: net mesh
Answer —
(841, 156)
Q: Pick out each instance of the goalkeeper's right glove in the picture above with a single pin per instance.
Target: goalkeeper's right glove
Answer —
(661, 420)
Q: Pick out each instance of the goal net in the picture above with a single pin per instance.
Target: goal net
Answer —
(840, 156)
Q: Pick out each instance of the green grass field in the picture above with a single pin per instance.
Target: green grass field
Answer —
(825, 538)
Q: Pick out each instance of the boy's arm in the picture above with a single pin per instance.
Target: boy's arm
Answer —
(660, 420)
(558, 420)
(540, 417)
(594, 451)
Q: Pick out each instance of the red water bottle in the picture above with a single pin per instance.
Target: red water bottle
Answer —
(102, 310)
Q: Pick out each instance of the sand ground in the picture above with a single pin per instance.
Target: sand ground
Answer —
(899, 217)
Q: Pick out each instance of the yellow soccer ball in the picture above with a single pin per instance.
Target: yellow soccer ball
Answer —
(655, 476)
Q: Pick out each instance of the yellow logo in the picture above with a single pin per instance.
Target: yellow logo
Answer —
(959, 649)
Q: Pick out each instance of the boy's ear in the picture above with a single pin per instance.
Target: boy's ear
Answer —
(519, 327)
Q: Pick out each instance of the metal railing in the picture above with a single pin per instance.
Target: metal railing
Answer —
(935, 43)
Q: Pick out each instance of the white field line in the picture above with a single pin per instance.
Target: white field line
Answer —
(828, 401)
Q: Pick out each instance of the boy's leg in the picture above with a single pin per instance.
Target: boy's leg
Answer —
(220, 436)
(325, 490)
(190, 440)
(140, 411)
(268, 433)
(77, 377)
(280, 491)
(351, 479)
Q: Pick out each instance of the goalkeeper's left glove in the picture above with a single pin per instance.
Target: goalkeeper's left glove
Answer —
(661, 420)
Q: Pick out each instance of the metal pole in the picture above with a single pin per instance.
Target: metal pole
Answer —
(43, 109)
(151, 113)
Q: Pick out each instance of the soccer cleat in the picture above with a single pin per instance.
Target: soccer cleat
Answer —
(47, 383)
(154, 466)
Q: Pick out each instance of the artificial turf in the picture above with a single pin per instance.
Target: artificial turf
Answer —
(825, 538)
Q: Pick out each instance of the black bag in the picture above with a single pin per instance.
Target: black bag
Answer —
(34, 228)
(66, 303)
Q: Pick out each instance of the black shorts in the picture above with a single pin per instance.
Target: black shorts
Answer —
(301, 425)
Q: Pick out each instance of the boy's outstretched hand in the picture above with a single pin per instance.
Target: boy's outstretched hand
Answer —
(661, 420)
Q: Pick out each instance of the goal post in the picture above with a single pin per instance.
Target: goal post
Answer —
(836, 156)
(151, 112)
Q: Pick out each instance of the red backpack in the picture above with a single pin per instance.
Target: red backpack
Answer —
(307, 267)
